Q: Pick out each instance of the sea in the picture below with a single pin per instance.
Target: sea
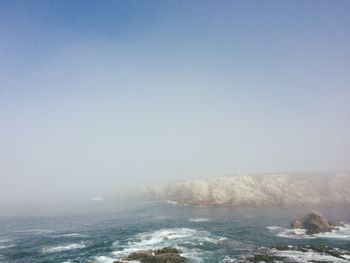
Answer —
(217, 234)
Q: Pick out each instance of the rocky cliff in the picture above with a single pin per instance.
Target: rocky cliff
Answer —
(260, 190)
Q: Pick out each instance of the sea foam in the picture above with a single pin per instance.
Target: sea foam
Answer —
(306, 256)
(63, 247)
(181, 238)
(339, 233)
(199, 220)
(104, 259)
(6, 243)
(70, 235)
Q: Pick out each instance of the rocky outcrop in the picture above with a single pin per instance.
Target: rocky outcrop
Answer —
(285, 189)
(164, 255)
(282, 253)
(314, 223)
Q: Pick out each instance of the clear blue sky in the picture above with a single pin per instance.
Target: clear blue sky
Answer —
(111, 94)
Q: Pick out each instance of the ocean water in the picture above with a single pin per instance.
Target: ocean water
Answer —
(202, 234)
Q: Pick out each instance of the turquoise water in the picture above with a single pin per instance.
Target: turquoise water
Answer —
(202, 234)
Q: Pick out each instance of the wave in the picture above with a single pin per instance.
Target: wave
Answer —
(339, 233)
(6, 243)
(171, 202)
(289, 233)
(199, 220)
(36, 231)
(70, 235)
(228, 259)
(293, 254)
(63, 247)
(187, 240)
(6, 246)
(104, 259)
(308, 256)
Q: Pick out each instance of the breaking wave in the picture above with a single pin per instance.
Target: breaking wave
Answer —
(104, 259)
(70, 235)
(228, 259)
(181, 238)
(63, 247)
(5, 243)
(289, 233)
(339, 233)
(308, 256)
(6, 246)
(294, 254)
(199, 220)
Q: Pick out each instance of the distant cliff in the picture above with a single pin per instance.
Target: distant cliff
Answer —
(260, 190)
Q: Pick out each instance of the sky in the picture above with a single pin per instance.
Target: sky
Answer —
(97, 97)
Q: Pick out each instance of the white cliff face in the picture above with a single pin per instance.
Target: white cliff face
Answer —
(260, 190)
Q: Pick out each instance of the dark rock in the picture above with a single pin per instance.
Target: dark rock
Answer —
(281, 247)
(335, 224)
(265, 258)
(163, 255)
(166, 250)
(273, 255)
(139, 255)
(297, 223)
(314, 223)
(318, 248)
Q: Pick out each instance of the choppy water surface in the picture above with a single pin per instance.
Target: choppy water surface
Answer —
(202, 234)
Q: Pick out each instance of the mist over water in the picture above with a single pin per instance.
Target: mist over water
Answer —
(97, 99)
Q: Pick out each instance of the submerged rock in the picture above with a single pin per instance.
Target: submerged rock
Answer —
(163, 255)
(314, 223)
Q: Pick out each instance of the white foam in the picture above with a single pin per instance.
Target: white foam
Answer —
(195, 255)
(6, 246)
(116, 243)
(63, 247)
(340, 233)
(289, 233)
(307, 256)
(104, 259)
(228, 259)
(71, 235)
(6, 243)
(174, 237)
(171, 202)
(199, 220)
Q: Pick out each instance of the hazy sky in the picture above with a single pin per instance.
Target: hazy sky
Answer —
(98, 96)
